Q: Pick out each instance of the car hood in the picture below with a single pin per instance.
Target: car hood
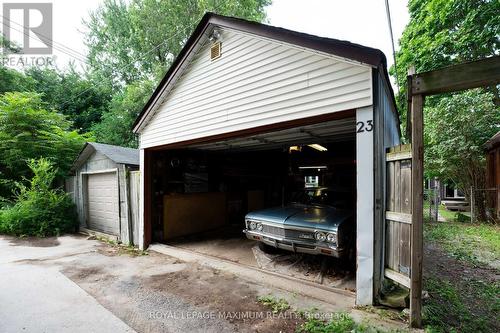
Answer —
(320, 217)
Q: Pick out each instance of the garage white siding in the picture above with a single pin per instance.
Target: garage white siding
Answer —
(102, 203)
(255, 82)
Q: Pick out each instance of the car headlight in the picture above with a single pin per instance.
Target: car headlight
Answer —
(331, 238)
(252, 225)
(259, 226)
(320, 236)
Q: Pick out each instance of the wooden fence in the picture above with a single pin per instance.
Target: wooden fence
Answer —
(134, 192)
(398, 215)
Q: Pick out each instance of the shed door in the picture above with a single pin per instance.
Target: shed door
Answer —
(398, 215)
(102, 203)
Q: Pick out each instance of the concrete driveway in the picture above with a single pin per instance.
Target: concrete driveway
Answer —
(72, 284)
(39, 298)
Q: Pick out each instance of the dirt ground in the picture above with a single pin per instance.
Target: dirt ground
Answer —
(234, 246)
(180, 298)
(150, 292)
(466, 310)
(155, 292)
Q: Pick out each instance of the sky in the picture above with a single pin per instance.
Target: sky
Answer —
(358, 21)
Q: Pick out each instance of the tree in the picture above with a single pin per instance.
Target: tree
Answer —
(29, 131)
(456, 129)
(442, 33)
(446, 32)
(12, 80)
(139, 40)
(116, 125)
(82, 99)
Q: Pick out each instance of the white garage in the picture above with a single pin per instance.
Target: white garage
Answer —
(100, 187)
(247, 114)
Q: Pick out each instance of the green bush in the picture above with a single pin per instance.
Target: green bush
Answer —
(38, 208)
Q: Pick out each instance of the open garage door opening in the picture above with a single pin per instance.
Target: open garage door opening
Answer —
(282, 201)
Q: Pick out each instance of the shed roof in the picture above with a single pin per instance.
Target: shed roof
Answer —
(493, 141)
(340, 48)
(117, 154)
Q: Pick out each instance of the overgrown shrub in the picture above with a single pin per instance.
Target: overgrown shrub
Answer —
(38, 208)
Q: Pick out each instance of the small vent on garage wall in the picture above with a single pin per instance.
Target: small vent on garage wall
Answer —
(215, 50)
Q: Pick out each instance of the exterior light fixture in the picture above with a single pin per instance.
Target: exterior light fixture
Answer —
(214, 36)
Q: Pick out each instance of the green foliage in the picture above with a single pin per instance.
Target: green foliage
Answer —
(39, 210)
(116, 125)
(81, 99)
(150, 33)
(474, 243)
(28, 130)
(339, 323)
(445, 32)
(276, 305)
(445, 311)
(12, 80)
(456, 128)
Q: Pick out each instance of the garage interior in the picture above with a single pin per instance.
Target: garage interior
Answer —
(202, 191)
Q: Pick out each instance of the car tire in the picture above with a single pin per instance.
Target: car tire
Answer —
(267, 248)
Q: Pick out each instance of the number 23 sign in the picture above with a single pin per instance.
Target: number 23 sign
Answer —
(364, 126)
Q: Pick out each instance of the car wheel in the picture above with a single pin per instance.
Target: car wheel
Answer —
(267, 248)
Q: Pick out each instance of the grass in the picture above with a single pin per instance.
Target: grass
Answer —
(276, 305)
(339, 323)
(446, 310)
(391, 314)
(123, 249)
(475, 243)
(448, 215)
(464, 295)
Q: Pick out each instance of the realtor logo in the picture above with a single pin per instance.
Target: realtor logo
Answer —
(36, 26)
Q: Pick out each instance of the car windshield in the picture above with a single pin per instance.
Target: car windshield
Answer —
(321, 197)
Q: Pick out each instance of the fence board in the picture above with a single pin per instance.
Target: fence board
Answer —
(398, 214)
(135, 183)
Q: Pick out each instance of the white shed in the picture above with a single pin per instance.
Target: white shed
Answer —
(100, 188)
(216, 135)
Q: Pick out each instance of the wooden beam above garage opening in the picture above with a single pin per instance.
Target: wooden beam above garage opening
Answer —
(479, 73)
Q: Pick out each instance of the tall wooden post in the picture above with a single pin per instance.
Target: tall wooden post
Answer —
(417, 182)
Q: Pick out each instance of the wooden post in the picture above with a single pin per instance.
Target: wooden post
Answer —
(417, 144)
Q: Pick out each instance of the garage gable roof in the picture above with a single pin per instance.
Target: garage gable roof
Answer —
(117, 154)
(340, 48)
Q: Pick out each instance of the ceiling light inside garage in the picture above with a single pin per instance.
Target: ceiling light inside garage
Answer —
(317, 147)
(314, 167)
(294, 148)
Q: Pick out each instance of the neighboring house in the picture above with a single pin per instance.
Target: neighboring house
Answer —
(215, 139)
(100, 187)
(447, 194)
(493, 172)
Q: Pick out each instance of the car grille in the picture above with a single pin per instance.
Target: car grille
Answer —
(287, 233)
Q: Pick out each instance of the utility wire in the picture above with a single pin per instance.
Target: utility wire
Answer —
(389, 22)
(154, 48)
(55, 47)
(58, 46)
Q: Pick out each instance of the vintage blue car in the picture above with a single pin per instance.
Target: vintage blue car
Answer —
(316, 221)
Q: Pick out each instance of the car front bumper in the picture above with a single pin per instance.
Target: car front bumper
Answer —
(294, 245)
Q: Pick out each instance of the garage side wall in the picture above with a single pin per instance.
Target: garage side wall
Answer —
(255, 82)
(387, 134)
